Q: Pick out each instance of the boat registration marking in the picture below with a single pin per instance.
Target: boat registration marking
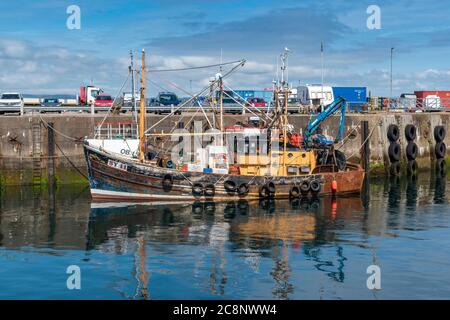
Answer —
(117, 165)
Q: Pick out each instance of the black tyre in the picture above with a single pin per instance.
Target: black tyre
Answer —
(315, 186)
(412, 168)
(304, 187)
(411, 151)
(294, 192)
(441, 166)
(439, 133)
(271, 187)
(197, 208)
(393, 133)
(440, 149)
(264, 192)
(243, 189)
(230, 186)
(197, 189)
(167, 183)
(410, 132)
(395, 168)
(394, 152)
(210, 191)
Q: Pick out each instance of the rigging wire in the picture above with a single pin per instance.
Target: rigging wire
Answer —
(194, 68)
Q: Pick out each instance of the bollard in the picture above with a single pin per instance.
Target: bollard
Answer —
(365, 156)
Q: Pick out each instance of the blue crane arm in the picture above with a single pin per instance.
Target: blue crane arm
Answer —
(336, 105)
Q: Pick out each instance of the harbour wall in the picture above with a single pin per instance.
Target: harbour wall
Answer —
(24, 141)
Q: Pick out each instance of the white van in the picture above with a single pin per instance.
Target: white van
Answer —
(313, 95)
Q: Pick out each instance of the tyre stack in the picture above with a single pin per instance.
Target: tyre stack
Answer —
(411, 150)
(394, 150)
(440, 149)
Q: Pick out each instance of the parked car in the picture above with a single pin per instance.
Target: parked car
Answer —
(11, 101)
(164, 102)
(256, 104)
(103, 100)
(51, 102)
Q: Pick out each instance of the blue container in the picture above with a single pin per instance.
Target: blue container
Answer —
(207, 170)
(355, 96)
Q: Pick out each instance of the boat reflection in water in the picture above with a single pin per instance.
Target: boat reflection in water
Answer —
(303, 248)
(259, 230)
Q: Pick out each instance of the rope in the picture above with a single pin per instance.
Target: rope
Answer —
(65, 156)
(365, 141)
(57, 131)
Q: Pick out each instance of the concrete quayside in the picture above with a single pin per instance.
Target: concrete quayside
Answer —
(30, 155)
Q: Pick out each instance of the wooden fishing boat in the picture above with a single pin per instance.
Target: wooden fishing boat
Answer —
(291, 168)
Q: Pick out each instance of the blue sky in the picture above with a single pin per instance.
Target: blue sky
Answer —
(38, 54)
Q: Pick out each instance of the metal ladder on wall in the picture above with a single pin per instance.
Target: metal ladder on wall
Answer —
(37, 153)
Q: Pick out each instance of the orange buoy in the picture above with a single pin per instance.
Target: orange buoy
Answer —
(334, 186)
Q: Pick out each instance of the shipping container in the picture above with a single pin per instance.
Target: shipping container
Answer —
(356, 97)
(433, 99)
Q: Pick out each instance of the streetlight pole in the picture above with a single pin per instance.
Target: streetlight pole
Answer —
(392, 50)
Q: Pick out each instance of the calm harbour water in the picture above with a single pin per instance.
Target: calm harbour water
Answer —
(306, 249)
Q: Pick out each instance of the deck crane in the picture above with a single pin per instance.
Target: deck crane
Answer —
(312, 139)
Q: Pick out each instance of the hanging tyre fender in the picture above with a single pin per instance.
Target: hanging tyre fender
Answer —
(439, 133)
(395, 168)
(304, 186)
(440, 149)
(264, 192)
(209, 190)
(315, 186)
(393, 133)
(441, 166)
(412, 168)
(229, 185)
(243, 189)
(411, 150)
(294, 192)
(394, 152)
(410, 132)
(197, 189)
(167, 182)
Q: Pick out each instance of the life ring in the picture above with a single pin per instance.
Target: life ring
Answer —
(410, 132)
(440, 149)
(411, 151)
(209, 191)
(394, 152)
(393, 133)
(315, 186)
(243, 189)
(439, 133)
(197, 189)
(385, 102)
(294, 192)
(167, 182)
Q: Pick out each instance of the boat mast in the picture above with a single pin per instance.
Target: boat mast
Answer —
(133, 97)
(142, 111)
(221, 102)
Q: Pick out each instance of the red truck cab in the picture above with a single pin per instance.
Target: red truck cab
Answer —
(103, 100)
